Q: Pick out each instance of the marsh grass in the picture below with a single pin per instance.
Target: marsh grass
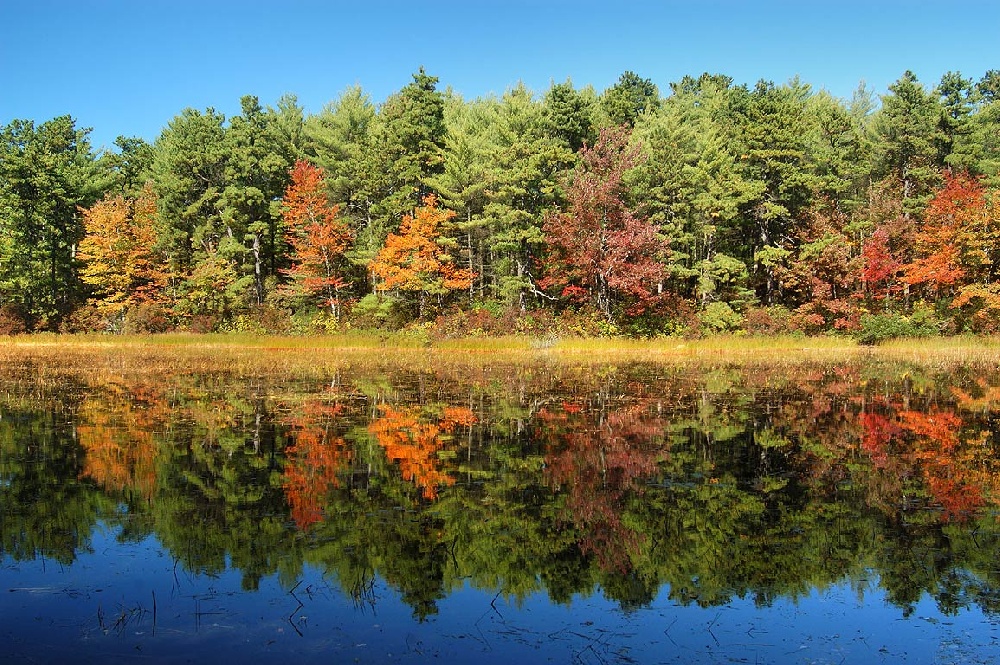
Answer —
(305, 356)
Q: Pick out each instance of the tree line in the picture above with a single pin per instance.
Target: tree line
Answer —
(714, 208)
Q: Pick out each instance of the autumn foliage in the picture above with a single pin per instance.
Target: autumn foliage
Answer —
(118, 255)
(595, 466)
(116, 431)
(600, 250)
(413, 440)
(318, 237)
(420, 258)
(315, 458)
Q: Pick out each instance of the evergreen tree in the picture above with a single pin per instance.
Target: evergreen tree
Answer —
(258, 161)
(629, 98)
(957, 97)
(411, 144)
(47, 173)
(525, 168)
(464, 184)
(689, 185)
(570, 115)
(189, 176)
(908, 137)
(771, 127)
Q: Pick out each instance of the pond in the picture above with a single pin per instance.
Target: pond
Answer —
(525, 513)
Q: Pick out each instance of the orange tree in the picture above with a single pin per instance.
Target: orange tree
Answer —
(117, 253)
(958, 251)
(419, 259)
(318, 237)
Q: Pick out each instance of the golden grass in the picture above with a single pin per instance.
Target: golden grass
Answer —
(308, 355)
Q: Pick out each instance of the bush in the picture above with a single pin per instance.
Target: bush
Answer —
(12, 321)
(378, 311)
(87, 318)
(146, 318)
(768, 321)
(719, 317)
(876, 328)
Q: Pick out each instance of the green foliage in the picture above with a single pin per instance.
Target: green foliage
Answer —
(629, 98)
(876, 328)
(378, 310)
(908, 140)
(718, 317)
(47, 172)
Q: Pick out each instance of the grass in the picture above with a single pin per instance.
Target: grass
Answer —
(192, 352)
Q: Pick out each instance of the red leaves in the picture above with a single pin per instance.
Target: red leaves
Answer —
(880, 268)
(599, 246)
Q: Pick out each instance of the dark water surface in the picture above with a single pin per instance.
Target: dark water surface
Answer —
(644, 514)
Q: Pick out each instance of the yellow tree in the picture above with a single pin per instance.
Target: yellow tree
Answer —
(419, 258)
(118, 256)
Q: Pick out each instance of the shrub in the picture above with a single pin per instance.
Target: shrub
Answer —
(88, 318)
(876, 328)
(378, 311)
(146, 318)
(718, 317)
(772, 320)
(12, 321)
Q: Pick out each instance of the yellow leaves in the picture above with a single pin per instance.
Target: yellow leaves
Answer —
(117, 251)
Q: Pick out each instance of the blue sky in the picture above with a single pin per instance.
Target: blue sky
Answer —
(128, 67)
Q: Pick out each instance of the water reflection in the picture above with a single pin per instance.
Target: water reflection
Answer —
(709, 486)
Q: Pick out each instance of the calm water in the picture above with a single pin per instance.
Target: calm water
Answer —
(532, 514)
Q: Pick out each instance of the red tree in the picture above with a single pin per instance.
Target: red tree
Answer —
(601, 250)
(880, 269)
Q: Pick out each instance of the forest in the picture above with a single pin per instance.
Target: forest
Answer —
(707, 208)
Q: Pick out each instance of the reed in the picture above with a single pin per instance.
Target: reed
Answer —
(238, 353)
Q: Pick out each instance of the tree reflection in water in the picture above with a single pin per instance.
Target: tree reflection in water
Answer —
(715, 484)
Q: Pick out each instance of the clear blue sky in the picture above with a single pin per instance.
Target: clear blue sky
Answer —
(129, 66)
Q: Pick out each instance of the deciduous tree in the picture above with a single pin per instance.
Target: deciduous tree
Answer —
(601, 250)
(118, 254)
(318, 236)
(419, 258)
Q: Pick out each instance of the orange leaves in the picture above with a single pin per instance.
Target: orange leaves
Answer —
(317, 235)
(314, 460)
(414, 442)
(959, 239)
(933, 441)
(117, 252)
(417, 258)
(116, 432)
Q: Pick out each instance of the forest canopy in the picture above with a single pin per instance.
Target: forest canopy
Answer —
(705, 208)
